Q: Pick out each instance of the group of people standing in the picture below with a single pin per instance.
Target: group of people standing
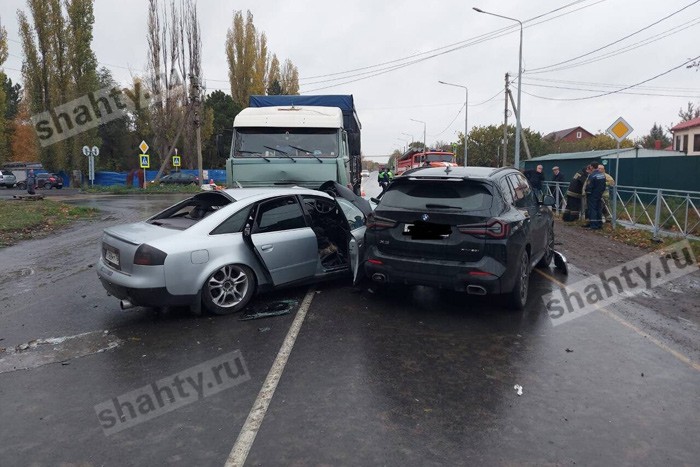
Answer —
(384, 178)
(589, 192)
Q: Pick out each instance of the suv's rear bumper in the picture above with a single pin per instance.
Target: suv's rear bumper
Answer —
(442, 274)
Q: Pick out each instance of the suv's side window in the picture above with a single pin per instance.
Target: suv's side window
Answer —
(280, 214)
(521, 187)
(507, 190)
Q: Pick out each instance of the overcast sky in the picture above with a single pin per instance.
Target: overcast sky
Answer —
(323, 37)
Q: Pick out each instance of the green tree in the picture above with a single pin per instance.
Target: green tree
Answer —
(689, 112)
(289, 78)
(118, 141)
(656, 133)
(59, 66)
(223, 111)
(274, 86)
(13, 93)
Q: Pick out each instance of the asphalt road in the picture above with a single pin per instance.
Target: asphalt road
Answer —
(407, 376)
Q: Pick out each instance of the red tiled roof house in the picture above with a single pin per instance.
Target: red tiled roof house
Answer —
(686, 137)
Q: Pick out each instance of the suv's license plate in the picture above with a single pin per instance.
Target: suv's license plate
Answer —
(112, 256)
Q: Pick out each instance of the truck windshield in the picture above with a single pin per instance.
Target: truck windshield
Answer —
(286, 142)
(441, 158)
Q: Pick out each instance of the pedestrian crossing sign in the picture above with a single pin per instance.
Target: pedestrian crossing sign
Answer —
(176, 161)
(145, 162)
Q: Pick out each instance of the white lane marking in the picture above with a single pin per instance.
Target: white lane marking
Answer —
(246, 437)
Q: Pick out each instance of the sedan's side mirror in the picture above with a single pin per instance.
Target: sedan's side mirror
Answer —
(548, 200)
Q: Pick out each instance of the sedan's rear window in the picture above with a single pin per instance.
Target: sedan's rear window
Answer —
(433, 194)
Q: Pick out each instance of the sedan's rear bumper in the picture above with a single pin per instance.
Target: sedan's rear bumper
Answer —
(125, 287)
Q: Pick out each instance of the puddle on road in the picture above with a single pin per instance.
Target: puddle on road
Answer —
(41, 352)
(268, 310)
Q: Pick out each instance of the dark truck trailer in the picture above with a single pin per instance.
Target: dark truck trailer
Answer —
(351, 123)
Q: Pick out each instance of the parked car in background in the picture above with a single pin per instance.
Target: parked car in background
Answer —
(7, 179)
(48, 181)
(179, 178)
(474, 229)
(365, 173)
(218, 248)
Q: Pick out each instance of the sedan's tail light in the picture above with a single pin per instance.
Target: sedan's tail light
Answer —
(375, 222)
(146, 255)
(494, 228)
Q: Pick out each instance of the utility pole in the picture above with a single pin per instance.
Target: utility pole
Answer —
(505, 126)
(522, 131)
(196, 101)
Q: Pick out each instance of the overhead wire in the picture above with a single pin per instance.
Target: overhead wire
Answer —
(442, 47)
(475, 41)
(617, 90)
(618, 40)
(625, 49)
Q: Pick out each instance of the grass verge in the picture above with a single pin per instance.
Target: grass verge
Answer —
(24, 220)
(641, 238)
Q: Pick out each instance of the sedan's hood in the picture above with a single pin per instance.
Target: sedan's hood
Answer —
(139, 232)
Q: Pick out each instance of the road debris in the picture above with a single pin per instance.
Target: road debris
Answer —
(279, 308)
(569, 350)
(518, 389)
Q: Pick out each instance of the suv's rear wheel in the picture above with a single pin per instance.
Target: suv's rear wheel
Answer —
(548, 250)
(517, 298)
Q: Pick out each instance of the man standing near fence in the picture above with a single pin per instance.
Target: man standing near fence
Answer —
(595, 187)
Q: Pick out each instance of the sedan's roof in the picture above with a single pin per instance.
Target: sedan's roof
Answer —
(262, 192)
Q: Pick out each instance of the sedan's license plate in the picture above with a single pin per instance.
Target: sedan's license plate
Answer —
(112, 256)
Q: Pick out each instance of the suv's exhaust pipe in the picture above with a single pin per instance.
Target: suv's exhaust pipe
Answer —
(125, 304)
(476, 290)
(378, 277)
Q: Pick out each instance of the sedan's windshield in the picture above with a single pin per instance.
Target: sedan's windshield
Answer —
(286, 142)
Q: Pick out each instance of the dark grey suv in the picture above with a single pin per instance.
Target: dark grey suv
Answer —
(474, 229)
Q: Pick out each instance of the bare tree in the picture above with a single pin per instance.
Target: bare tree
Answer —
(174, 51)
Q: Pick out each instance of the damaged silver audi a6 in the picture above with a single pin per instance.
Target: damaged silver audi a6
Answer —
(219, 248)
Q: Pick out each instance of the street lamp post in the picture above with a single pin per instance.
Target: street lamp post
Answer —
(408, 134)
(466, 115)
(404, 143)
(518, 125)
(425, 147)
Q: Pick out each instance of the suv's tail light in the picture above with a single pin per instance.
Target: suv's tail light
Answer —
(494, 228)
(375, 222)
(146, 255)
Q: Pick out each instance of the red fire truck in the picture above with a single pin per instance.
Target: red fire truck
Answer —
(430, 158)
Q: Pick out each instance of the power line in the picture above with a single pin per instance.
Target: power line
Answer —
(627, 48)
(695, 96)
(610, 85)
(617, 90)
(618, 40)
(450, 124)
(475, 41)
(504, 29)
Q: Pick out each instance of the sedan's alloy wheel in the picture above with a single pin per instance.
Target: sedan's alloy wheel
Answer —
(229, 289)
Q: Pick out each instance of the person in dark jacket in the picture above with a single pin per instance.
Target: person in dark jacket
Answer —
(574, 194)
(594, 196)
(31, 182)
(558, 177)
(535, 177)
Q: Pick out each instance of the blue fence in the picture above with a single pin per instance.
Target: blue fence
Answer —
(119, 178)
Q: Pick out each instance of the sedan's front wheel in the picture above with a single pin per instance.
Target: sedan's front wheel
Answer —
(229, 289)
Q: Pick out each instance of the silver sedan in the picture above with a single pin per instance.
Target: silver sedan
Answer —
(219, 248)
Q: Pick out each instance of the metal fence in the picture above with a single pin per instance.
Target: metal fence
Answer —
(660, 211)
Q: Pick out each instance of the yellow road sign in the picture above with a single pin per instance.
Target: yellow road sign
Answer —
(620, 129)
(143, 147)
(144, 159)
(176, 161)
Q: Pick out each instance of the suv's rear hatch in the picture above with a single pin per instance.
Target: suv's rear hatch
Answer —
(427, 216)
